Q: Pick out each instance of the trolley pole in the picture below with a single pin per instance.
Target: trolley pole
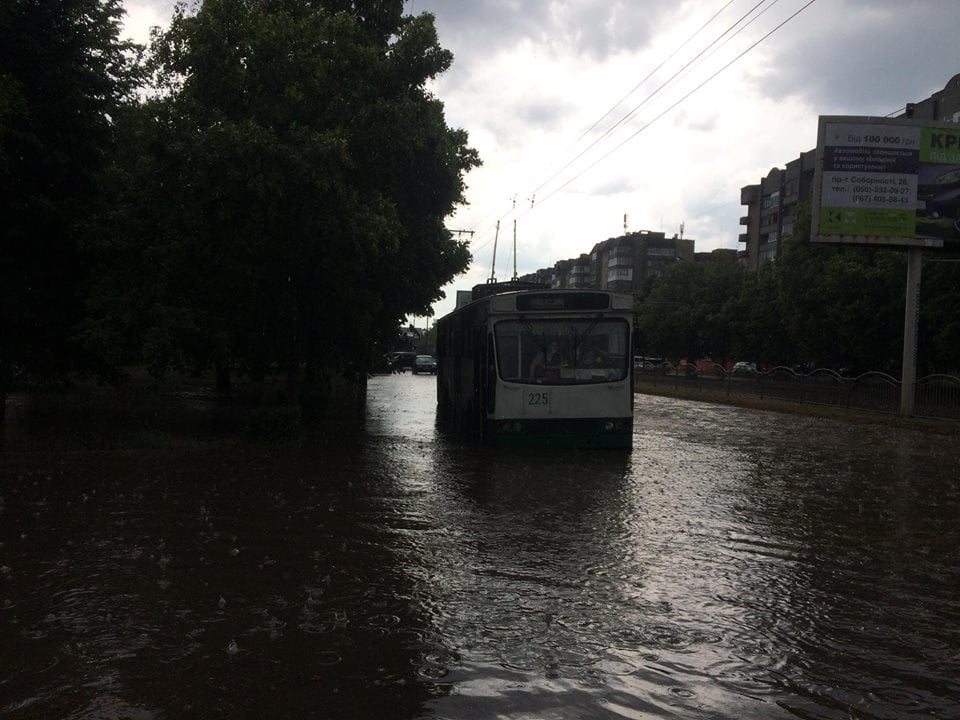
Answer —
(493, 265)
(908, 379)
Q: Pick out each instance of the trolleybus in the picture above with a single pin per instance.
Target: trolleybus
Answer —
(538, 367)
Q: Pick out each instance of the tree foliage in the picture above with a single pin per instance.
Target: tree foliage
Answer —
(822, 305)
(285, 194)
(65, 80)
(687, 312)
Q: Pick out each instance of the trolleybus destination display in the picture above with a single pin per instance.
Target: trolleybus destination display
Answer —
(886, 182)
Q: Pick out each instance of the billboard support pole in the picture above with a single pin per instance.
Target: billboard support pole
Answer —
(908, 378)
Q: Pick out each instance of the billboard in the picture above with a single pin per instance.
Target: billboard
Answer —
(886, 181)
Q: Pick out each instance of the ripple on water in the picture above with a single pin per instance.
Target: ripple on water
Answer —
(735, 565)
(326, 658)
(436, 664)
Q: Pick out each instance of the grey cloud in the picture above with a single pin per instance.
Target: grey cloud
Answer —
(594, 28)
(894, 52)
(699, 119)
(544, 114)
(616, 184)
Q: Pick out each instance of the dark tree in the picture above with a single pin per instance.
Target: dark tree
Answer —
(65, 77)
(687, 311)
(293, 176)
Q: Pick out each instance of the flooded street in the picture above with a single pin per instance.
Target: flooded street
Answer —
(734, 564)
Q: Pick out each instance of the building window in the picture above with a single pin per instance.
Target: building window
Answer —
(661, 252)
(619, 274)
(771, 200)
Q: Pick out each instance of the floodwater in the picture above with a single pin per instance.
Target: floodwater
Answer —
(734, 564)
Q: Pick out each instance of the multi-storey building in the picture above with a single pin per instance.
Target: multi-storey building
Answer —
(623, 264)
(942, 106)
(772, 207)
(772, 204)
(620, 264)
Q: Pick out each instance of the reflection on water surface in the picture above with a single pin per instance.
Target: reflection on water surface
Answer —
(733, 564)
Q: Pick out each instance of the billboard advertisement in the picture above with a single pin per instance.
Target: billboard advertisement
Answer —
(886, 182)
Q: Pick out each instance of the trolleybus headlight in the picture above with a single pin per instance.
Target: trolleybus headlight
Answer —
(608, 425)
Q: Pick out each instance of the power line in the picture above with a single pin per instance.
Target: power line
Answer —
(629, 115)
(678, 102)
(652, 72)
(664, 112)
(649, 97)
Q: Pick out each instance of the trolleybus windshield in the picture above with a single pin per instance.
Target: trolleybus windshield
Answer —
(562, 351)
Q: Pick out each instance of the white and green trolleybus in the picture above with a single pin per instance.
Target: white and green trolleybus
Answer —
(538, 367)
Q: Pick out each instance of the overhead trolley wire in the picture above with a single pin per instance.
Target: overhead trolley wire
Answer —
(607, 113)
(678, 102)
(750, 48)
(661, 87)
(667, 110)
(652, 72)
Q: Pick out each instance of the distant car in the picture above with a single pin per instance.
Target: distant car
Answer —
(424, 364)
(401, 360)
(647, 363)
(743, 366)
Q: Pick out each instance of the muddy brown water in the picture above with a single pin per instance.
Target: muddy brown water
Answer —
(734, 564)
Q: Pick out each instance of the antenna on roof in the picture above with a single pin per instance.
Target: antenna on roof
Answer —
(681, 231)
(624, 223)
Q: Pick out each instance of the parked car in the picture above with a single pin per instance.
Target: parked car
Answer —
(401, 360)
(424, 364)
(647, 363)
(743, 366)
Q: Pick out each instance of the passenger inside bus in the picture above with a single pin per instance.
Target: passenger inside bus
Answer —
(592, 358)
(546, 365)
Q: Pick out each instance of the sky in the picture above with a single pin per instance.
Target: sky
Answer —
(586, 111)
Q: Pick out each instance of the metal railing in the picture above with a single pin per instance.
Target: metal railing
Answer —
(937, 396)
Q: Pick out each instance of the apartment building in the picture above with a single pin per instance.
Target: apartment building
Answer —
(620, 264)
(772, 207)
(773, 202)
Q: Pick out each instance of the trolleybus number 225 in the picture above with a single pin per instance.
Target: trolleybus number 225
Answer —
(538, 398)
